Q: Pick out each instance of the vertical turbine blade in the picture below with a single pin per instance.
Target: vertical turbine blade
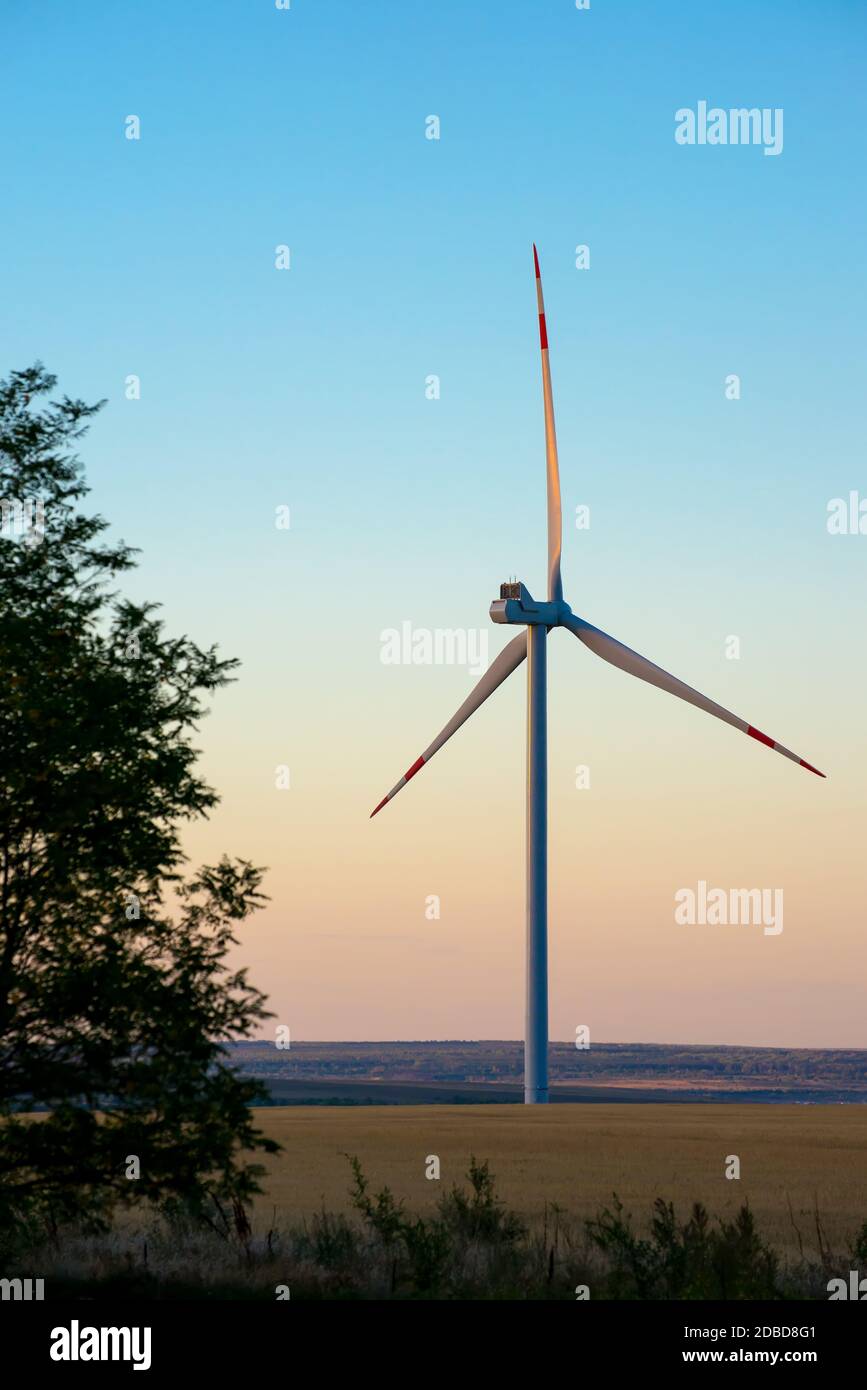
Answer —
(555, 521)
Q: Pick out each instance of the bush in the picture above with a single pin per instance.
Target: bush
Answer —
(688, 1261)
(479, 1214)
(472, 1248)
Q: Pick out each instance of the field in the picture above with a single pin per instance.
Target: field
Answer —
(576, 1156)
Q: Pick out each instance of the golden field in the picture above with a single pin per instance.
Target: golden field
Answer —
(576, 1156)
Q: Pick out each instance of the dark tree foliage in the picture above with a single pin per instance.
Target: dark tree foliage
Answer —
(115, 992)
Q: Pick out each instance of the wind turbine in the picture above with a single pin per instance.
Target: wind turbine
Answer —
(516, 605)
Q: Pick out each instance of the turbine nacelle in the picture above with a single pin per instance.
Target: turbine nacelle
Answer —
(517, 605)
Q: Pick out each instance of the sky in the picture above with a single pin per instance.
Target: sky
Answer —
(310, 388)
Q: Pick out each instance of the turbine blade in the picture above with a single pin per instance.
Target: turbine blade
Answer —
(555, 520)
(502, 666)
(618, 655)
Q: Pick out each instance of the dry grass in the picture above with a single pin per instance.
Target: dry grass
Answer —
(576, 1156)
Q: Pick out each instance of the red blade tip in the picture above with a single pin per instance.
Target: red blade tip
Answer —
(378, 808)
(810, 768)
(536, 262)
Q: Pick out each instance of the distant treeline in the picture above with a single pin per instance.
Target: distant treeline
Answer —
(750, 1068)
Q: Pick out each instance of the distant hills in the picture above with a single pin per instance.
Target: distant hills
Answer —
(403, 1073)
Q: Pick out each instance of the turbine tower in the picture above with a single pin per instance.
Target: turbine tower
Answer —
(536, 619)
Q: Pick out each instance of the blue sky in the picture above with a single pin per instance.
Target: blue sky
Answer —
(410, 257)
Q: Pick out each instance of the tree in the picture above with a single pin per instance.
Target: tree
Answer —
(115, 992)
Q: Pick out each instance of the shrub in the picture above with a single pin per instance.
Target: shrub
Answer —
(685, 1261)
